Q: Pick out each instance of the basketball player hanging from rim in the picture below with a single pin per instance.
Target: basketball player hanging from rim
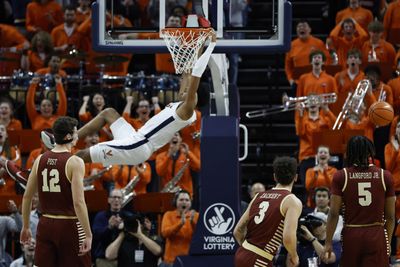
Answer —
(366, 195)
(132, 147)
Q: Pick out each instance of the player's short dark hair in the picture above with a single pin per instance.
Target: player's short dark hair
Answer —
(375, 26)
(354, 52)
(285, 169)
(359, 151)
(62, 126)
(317, 52)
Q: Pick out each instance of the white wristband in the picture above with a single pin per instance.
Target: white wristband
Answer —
(202, 62)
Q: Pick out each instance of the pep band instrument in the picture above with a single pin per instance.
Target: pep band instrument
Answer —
(353, 104)
(127, 191)
(171, 186)
(291, 103)
(88, 181)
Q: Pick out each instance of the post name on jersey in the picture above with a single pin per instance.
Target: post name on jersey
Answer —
(364, 175)
(51, 162)
(270, 195)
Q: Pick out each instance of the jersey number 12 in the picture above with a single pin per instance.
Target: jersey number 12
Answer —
(51, 180)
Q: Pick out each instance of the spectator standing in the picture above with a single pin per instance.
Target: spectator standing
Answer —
(12, 42)
(177, 228)
(391, 23)
(43, 15)
(12, 223)
(320, 175)
(106, 228)
(362, 15)
(377, 49)
(41, 49)
(178, 158)
(301, 47)
(46, 118)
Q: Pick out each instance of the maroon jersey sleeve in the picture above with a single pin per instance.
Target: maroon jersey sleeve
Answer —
(338, 183)
(390, 192)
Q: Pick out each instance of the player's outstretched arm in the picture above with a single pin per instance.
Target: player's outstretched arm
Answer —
(31, 188)
(390, 214)
(191, 82)
(291, 207)
(76, 170)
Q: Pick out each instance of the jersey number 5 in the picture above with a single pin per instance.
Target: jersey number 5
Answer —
(261, 213)
(364, 195)
(54, 180)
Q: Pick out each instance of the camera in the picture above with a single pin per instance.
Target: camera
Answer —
(131, 223)
(309, 221)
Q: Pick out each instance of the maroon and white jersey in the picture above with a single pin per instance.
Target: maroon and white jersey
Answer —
(265, 226)
(54, 187)
(364, 192)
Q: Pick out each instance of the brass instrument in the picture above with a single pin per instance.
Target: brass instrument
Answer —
(352, 105)
(382, 95)
(127, 191)
(88, 181)
(290, 103)
(171, 186)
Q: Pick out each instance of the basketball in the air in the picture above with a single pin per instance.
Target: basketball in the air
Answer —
(381, 113)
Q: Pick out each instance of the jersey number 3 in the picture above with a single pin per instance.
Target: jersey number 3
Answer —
(51, 180)
(364, 195)
(261, 213)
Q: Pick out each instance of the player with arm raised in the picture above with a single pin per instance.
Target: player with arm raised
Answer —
(63, 236)
(132, 147)
(270, 219)
(366, 194)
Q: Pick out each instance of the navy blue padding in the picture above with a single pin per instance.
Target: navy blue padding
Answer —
(159, 127)
(148, 135)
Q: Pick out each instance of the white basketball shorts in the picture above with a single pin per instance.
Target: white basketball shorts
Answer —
(131, 147)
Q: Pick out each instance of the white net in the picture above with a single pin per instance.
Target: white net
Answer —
(184, 45)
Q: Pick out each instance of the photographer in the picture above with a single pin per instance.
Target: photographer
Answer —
(134, 246)
(312, 233)
(321, 199)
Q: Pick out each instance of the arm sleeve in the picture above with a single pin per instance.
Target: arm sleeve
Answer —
(194, 161)
(100, 227)
(390, 157)
(30, 102)
(288, 66)
(162, 161)
(387, 176)
(29, 23)
(62, 102)
(169, 227)
(85, 117)
(337, 183)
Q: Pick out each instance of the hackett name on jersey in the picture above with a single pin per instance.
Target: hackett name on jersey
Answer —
(364, 175)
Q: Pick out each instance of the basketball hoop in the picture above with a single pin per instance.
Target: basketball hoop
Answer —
(184, 45)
